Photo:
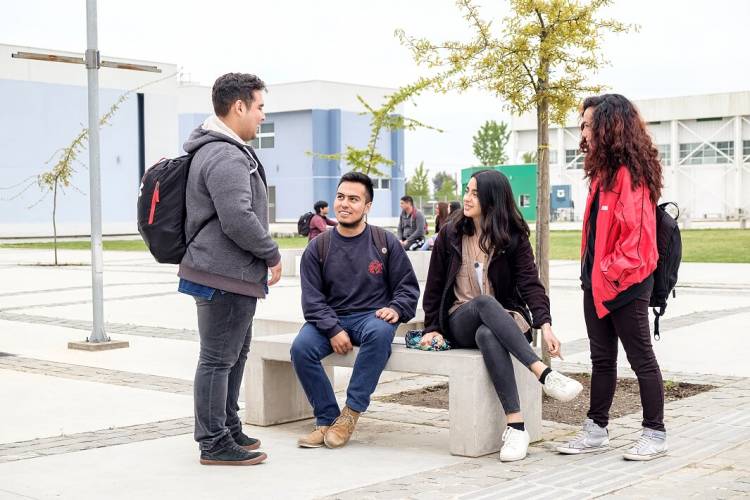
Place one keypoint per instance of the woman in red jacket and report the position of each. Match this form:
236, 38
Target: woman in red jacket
618, 257
480, 286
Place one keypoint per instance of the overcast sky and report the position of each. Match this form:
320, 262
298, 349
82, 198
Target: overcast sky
683, 47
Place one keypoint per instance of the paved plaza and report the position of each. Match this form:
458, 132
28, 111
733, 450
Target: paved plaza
118, 424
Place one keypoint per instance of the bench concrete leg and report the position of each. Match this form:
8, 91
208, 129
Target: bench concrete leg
273, 394
477, 419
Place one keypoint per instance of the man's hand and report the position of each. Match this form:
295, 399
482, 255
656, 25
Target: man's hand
341, 343
403, 243
275, 274
387, 314
553, 345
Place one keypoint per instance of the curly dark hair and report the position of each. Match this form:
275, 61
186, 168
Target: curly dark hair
232, 87
619, 137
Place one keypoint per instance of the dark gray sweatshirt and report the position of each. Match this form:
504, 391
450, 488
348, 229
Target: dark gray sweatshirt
227, 185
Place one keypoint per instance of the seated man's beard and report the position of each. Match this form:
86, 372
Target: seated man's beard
351, 225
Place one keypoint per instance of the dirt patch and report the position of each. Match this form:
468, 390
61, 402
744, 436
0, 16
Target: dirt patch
627, 398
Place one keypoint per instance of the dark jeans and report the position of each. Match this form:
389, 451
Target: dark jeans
225, 326
630, 324
484, 323
373, 336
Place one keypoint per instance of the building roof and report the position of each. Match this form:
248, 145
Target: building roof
293, 96
667, 108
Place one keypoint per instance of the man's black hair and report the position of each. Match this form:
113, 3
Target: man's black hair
231, 87
360, 178
320, 205
408, 199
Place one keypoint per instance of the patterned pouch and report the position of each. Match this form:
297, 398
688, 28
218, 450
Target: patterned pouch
413, 338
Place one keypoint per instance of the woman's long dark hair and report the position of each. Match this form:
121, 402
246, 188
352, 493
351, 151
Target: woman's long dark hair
442, 215
620, 138
500, 214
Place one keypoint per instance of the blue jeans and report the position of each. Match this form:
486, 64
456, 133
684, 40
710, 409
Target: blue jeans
373, 336
225, 327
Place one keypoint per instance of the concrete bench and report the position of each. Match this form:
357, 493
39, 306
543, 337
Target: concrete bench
263, 327
273, 394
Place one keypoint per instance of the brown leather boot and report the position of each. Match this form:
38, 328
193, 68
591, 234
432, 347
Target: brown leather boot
342, 429
314, 439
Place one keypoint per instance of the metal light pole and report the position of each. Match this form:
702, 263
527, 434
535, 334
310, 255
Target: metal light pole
98, 340
95, 188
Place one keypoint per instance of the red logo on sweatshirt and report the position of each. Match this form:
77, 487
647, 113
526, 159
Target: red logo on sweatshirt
375, 267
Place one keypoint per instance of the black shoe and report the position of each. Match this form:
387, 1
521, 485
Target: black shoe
246, 441
231, 454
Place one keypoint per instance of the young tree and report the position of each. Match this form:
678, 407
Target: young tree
367, 159
538, 58
444, 186
529, 157
418, 186
490, 142
60, 175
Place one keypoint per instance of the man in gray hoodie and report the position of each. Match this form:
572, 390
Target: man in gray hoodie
411, 225
226, 266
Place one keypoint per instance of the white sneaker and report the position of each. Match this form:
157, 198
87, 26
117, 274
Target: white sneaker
515, 445
651, 445
591, 438
560, 387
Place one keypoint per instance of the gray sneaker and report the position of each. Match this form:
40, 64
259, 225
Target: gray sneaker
651, 445
591, 438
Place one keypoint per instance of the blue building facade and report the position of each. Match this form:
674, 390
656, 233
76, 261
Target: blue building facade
39, 119
44, 107
297, 178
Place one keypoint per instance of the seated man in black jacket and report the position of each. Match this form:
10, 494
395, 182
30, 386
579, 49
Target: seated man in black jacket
357, 285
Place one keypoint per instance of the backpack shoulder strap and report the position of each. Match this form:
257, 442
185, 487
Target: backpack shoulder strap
322, 244
379, 238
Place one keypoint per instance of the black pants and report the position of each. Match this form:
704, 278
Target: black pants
224, 325
484, 323
629, 324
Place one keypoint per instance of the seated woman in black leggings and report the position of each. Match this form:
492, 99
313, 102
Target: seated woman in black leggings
481, 283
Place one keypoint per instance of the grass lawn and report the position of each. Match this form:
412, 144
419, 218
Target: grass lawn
698, 245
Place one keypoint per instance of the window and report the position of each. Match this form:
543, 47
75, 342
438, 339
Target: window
665, 153
524, 200
266, 137
705, 154
381, 184
573, 158
746, 150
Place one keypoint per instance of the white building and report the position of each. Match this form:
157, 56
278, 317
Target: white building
704, 141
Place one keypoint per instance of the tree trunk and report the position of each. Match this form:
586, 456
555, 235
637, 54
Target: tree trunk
54, 220
542, 193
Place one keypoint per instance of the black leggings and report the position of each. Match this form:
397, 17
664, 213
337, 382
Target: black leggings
484, 323
630, 324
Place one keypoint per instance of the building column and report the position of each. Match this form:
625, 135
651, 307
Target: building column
674, 154
738, 161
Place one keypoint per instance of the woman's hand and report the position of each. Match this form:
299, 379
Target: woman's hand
553, 345
427, 338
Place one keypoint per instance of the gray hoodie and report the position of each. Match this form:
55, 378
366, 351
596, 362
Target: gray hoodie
411, 226
227, 186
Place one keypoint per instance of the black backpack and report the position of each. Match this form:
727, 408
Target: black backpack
162, 212
669, 244
303, 224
